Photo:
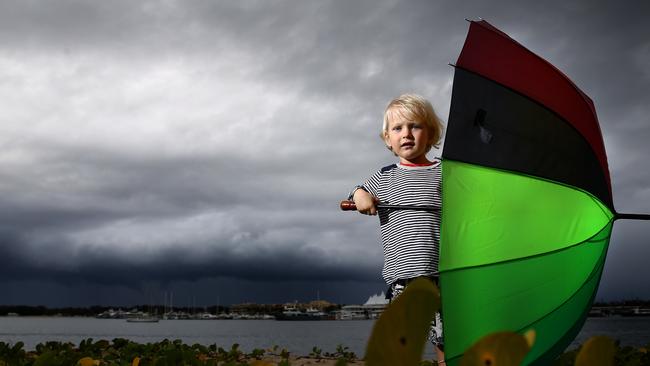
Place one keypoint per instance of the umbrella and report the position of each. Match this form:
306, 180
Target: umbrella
527, 207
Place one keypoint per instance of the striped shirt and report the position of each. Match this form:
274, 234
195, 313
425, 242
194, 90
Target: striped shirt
410, 238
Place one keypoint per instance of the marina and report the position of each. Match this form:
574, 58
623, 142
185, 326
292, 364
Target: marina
371, 309
627, 311
317, 310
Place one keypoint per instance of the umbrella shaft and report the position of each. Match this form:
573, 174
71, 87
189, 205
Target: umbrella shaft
408, 207
625, 216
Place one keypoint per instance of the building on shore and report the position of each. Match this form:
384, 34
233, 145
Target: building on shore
371, 309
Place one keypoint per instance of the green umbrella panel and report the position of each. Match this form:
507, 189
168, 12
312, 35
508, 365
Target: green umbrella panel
518, 253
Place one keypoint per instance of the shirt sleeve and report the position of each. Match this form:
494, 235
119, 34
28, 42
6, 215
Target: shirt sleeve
351, 195
371, 185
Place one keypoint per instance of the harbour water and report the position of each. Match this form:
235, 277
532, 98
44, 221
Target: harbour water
298, 337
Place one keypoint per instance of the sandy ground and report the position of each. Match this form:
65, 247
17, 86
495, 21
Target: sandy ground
304, 361
301, 361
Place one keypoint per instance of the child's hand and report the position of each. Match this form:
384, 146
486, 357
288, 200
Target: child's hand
365, 202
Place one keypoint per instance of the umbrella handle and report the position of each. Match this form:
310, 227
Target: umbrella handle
348, 206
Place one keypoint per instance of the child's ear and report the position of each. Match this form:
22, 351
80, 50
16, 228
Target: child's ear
387, 140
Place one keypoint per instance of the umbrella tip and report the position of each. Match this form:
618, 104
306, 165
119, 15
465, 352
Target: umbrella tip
628, 216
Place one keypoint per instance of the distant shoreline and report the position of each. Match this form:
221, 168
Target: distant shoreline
624, 308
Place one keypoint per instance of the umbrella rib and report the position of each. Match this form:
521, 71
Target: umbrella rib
531, 256
532, 176
589, 278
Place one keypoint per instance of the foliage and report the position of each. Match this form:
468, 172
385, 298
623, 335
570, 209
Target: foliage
596, 351
122, 352
316, 353
343, 355
622, 356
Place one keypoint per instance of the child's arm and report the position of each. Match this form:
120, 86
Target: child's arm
365, 202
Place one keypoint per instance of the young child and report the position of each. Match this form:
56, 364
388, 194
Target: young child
410, 238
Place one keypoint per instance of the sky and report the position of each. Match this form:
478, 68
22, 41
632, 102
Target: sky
201, 148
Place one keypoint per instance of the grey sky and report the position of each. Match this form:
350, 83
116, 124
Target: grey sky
202, 147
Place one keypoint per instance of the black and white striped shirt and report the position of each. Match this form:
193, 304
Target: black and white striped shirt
410, 238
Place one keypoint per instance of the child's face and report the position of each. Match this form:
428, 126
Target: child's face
406, 138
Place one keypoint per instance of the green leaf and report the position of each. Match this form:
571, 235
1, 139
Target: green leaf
596, 351
87, 361
46, 359
498, 349
399, 335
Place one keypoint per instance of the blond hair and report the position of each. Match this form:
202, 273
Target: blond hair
414, 107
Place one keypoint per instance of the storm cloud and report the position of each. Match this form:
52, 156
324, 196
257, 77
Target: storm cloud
202, 147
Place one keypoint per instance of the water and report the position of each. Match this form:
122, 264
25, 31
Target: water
629, 331
297, 337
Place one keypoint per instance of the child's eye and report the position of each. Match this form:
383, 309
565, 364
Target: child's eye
397, 128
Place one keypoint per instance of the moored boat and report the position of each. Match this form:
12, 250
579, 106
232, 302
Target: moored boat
143, 320
292, 313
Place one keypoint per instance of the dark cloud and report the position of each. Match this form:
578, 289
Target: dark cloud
20, 261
